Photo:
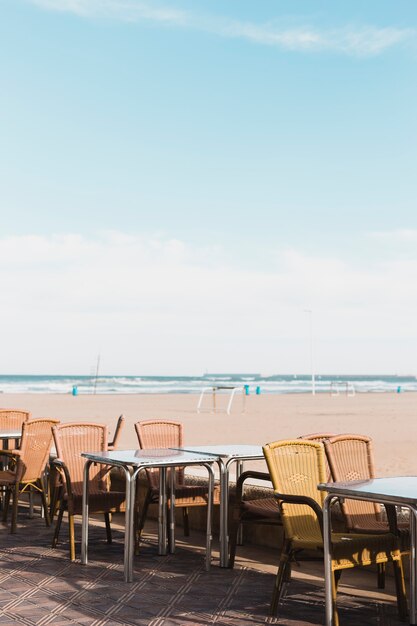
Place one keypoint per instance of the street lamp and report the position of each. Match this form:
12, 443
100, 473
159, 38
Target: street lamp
313, 379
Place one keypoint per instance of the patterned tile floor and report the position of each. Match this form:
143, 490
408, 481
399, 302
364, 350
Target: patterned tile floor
39, 586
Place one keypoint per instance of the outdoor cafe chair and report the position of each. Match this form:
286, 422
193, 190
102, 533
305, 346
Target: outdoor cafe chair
28, 469
351, 457
263, 510
12, 420
296, 468
70, 441
168, 434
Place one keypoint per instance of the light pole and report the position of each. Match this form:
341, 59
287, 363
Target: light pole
313, 378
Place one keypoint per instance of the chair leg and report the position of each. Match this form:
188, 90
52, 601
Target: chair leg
400, 589
108, 527
45, 506
185, 521
58, 526
381, 575
335, 579
15, 508
6, 504
142, 518
234, 530
279, 580
71, 528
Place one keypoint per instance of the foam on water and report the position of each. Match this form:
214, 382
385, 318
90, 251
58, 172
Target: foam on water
277, 384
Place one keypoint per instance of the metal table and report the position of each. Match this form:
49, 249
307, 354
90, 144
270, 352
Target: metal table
132, 462
397, 491
6, 435
225, 455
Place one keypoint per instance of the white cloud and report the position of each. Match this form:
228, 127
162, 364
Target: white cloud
162, 306
353, 40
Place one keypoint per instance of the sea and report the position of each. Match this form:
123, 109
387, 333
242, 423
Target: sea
255, 383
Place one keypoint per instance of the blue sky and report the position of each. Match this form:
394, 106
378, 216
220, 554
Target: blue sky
180, 180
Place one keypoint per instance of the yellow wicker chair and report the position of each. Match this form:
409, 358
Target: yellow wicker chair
296, 468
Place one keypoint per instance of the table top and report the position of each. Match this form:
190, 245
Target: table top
398, 489
157, 457
228, 451
10, 434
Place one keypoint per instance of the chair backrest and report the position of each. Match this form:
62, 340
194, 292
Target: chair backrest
351, 457
296, 467
34, 448
321, 438
160, 434
76, 437
118, 431
13, 419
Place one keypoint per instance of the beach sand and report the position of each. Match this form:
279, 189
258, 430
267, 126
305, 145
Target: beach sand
390, 419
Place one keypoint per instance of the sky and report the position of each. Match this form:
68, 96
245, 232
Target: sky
191, 186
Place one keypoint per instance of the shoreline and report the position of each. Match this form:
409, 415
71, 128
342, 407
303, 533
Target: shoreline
389, 418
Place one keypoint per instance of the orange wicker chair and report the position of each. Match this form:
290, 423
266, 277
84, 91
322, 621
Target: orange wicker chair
12, 419
296, 468
168, 434
321, 438
28, 473
70, 440
351, 457
117, 433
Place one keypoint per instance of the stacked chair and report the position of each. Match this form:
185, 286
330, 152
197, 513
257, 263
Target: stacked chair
296, 468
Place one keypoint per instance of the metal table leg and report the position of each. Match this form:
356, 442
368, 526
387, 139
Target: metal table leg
328, 574
162, 506
209, 535
413, 565
84, 525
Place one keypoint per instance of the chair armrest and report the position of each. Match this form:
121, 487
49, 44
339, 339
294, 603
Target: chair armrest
59, 464
13, 453
284, 498
249, 474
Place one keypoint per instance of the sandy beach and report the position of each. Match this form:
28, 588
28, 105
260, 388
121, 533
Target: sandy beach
390, 419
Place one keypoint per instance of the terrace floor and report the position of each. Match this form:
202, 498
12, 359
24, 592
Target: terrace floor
40, 586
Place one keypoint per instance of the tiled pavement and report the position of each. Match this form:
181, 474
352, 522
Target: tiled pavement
39, 586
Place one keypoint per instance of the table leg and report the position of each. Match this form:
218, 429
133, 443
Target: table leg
413, 564
84, 525
224, 495
328, 574
239, 470
209, 535
162, 519
129, 552
171, 539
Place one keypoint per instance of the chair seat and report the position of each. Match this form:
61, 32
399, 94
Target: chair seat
100, 502
261, 508
190, 495
7, 477
355, 549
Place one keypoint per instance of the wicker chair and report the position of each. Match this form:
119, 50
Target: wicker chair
321, 438
168, 434
117, 432
70, 440
12, 419
351, 457
28, 473
56, 483
296, 467
263, 511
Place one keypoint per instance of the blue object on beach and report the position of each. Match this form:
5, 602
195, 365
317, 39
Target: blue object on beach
258, 391
75, 391
246, 390
398, 389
